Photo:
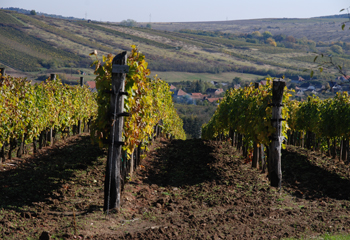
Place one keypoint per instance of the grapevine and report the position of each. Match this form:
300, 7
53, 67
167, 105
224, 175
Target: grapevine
246, 111
26, 109
149, 102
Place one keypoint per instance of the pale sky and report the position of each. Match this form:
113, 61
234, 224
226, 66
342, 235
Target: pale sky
181, 10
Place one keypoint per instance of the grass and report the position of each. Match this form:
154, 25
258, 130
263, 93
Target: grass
6, 18
324, 237
195, 56
221, 77
125, 35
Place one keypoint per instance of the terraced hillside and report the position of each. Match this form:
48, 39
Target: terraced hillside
38, 44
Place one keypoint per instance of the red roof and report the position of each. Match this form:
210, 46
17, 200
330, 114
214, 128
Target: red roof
92, 84
213, 99
181, 93
172, 87
197, 95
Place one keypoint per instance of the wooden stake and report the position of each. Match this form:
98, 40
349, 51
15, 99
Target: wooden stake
113, 175
275, 171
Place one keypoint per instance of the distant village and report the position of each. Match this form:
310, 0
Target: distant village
213, 95
340, 84
302, 87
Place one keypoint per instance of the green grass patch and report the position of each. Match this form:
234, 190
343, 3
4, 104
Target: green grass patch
8, 19
125, 35
220, 77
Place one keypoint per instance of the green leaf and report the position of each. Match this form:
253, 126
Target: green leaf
343, 26
342, 10
311, 74
315, 58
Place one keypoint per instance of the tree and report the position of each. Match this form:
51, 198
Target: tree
128, 23
290, 39
271, 41
200, 86
267, 35
32, 12
237, 80
148, 25
256, 34
337, 49
279, 37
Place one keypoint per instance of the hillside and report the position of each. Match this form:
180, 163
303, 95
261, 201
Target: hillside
317, 29
38, 45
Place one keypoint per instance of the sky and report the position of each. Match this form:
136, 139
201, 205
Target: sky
181, 10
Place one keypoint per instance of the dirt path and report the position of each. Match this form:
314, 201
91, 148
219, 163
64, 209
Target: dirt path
189, 189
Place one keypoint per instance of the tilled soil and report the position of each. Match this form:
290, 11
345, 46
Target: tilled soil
191, 189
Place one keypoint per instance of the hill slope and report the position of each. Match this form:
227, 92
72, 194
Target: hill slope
39, 44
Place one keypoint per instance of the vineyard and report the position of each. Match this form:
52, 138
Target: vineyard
29, 112
245, 116
172, 188
314, 123
149, 103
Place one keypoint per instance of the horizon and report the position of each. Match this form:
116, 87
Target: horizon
203, 12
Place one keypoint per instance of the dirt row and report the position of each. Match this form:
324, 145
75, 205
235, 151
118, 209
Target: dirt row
191, 189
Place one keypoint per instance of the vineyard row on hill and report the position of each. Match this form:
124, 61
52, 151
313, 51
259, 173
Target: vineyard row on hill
246, 111
321, 124
28, 110
149, 102
317, 124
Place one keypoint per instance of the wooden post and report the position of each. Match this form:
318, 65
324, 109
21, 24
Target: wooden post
79, 122
275, 171
13, 145
34, 146
255, 145
334, 148
262, 158
139, 154
2, 71
132, 159
113, 174
345, 149
255, 155
2, 153
52, 77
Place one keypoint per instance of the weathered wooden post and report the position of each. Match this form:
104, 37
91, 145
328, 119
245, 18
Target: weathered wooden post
274, 165
132, 163
345, 148
2, 71
113, 175
262, 158
52, 77
255, 146
2, 153
79, 122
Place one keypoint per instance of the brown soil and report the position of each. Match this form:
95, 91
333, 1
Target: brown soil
189, 189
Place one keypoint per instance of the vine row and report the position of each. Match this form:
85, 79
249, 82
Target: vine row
27, 110
149, 102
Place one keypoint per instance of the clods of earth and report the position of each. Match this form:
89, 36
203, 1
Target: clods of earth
191, 189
